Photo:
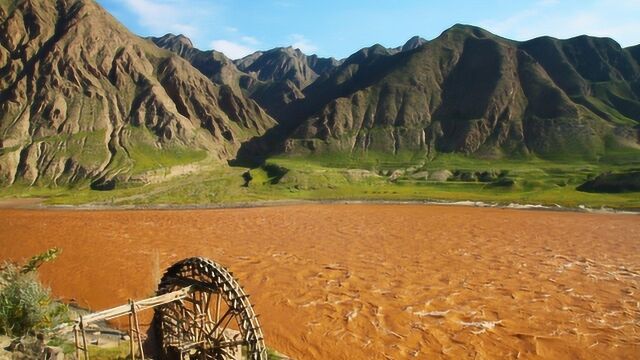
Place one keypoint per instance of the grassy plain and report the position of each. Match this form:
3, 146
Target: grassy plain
342, 178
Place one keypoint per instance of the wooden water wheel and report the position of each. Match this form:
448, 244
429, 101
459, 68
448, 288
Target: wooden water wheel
216, 321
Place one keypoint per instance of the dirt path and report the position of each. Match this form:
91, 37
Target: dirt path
372, 281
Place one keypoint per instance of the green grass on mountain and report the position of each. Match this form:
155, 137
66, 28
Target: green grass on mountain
605, 110
147, 157
370, 160
7, 5
87, 146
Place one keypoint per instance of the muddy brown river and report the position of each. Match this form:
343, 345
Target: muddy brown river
371, 281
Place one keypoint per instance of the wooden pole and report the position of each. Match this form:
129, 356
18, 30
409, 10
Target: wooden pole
217, 314
135, 321
84, 340
131, 346
77, 341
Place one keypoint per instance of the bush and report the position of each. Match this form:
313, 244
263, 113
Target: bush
25, 304
612, 183
503, 182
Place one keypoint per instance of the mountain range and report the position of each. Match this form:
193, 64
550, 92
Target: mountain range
82, 98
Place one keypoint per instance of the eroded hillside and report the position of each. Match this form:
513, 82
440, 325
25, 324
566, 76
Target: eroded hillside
470, 91
83, 98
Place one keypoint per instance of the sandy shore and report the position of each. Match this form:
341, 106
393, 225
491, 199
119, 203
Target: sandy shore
372, 281
40, 204
21, 203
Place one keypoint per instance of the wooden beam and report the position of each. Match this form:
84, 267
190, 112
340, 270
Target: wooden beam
122, 310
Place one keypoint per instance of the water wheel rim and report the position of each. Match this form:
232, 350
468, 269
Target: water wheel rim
192, 319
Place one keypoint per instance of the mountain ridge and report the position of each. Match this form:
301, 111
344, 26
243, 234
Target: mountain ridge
75, 109
471, 63
273, 78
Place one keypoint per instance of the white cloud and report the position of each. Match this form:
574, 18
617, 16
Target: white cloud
184, 29
301, 42
604, 18
191, 18
250, 40
231, 49
161, 17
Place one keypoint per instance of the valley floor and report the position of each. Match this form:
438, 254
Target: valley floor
290, 179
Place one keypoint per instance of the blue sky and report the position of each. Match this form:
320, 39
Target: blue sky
339, 28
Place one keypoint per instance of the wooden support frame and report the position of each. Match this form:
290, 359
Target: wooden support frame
186, 319
132, 309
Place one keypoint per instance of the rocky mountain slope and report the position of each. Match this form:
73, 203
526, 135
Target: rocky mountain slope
83, 98
279, 76
213, 64
473, 92
413, 43
273, 78
286, 64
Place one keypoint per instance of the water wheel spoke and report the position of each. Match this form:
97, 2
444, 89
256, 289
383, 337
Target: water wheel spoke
187, 324
221, 333
205, 321
197, 334
218, 299
217, 330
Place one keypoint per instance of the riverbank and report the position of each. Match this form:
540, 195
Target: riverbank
40, 204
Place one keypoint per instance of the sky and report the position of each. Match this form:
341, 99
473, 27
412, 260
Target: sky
338, 28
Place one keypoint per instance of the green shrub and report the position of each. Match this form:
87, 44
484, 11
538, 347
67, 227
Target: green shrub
612, 183
503, 182
26, 305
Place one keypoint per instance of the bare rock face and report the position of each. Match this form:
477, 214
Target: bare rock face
82, 98
281, 64
470, 91
280, 75
440, 175
213, 64
413, 43
273, 78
